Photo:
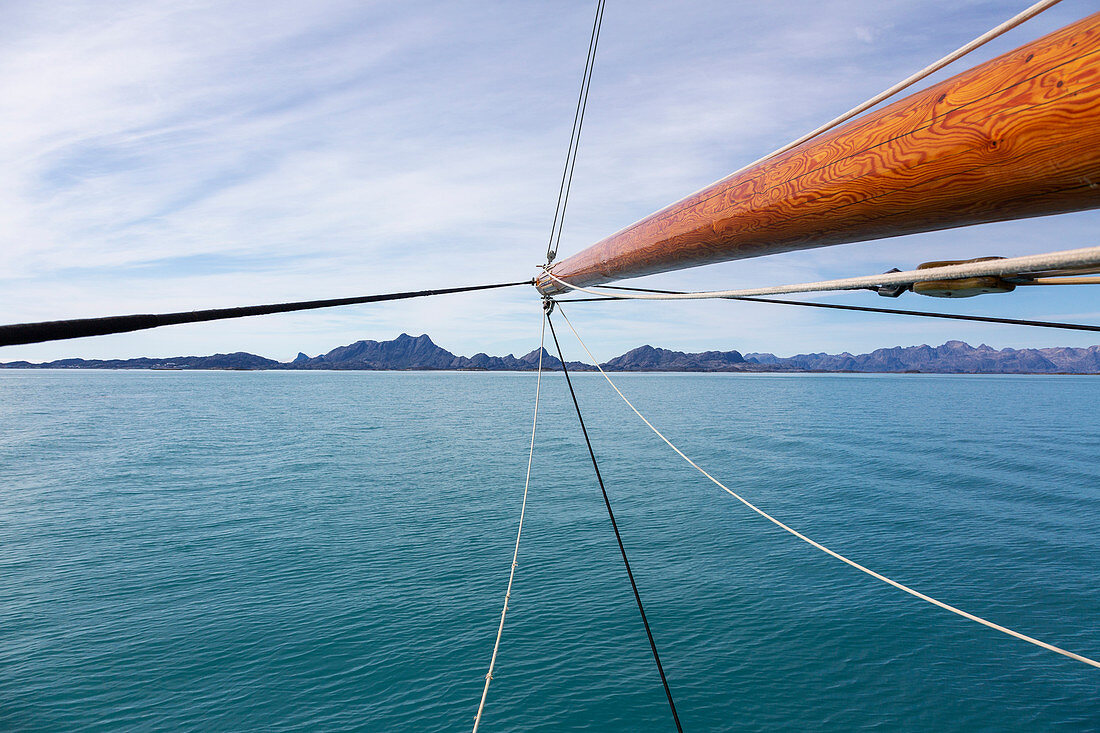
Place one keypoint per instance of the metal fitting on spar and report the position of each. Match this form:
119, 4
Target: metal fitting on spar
968, 287
546, 285
958, 288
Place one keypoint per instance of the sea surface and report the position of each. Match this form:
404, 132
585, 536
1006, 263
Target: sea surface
245, 551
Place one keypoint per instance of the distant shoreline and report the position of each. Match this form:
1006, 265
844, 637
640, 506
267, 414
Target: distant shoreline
420, 353
592, 372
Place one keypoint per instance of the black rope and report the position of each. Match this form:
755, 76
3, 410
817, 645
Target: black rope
575, 136
33, 333
615, 526
865, 309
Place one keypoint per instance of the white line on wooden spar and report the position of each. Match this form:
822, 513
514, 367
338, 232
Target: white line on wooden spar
1066, 259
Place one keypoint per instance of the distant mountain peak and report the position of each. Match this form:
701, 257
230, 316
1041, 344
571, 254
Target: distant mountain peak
420, 352
649, 358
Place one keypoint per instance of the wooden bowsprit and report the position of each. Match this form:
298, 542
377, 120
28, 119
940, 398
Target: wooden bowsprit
1016, 137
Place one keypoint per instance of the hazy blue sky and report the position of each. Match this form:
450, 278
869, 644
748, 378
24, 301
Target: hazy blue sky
180, 155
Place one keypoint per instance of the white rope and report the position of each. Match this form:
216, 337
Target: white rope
1085, 257
519, 532
927, 71
818, 545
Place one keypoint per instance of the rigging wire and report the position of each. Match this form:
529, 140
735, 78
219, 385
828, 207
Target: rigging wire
519, 531
818, 545
1063, 259
863, 309
615, 526
904, 84
551, 251
34, 333
575, 137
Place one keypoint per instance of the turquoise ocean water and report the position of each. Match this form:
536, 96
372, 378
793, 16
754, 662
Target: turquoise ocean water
204, 551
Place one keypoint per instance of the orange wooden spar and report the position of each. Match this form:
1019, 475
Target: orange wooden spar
1015, 137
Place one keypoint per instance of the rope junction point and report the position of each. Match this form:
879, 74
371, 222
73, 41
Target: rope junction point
818, 545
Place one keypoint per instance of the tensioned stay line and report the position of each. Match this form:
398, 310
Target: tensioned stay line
999, 30
1084, 257
615, 526
927, 71
519, 531
575, 136
860, 308
33, 333
818, 545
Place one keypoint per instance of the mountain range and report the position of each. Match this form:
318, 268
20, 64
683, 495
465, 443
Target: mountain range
420, 353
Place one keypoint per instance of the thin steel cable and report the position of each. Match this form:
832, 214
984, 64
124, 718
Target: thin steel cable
34, 333
572, 136
576, 146
575, 136
615, 526
818, 545
924, 73
1063, 259
864, 309
519, 531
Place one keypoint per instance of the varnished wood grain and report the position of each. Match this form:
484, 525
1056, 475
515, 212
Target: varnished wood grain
1015, 137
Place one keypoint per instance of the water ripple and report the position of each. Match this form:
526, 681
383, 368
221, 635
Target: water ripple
304, 551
